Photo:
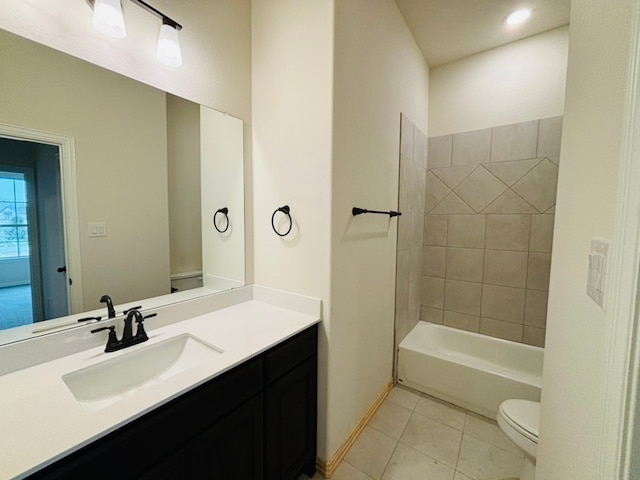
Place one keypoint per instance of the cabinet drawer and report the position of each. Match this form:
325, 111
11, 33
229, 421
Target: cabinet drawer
282, 358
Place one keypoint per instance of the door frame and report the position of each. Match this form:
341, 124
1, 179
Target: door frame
620, 431
66, 147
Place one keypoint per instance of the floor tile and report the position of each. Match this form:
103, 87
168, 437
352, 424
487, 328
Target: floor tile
391, 419
488, 431
346, 471
404, 397
432, 438
483, 461
371, 452
441, 411
409, 464
438, 441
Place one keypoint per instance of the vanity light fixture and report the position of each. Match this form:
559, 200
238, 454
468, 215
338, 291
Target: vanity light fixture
518, 17
108, 18
168, 51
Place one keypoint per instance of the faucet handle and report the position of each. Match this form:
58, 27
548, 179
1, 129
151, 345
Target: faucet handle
140, 332
126, 312
112, 340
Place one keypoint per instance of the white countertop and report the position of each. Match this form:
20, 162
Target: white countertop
41, 421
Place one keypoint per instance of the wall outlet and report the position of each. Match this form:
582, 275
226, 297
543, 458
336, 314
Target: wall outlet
97, 229
597, 270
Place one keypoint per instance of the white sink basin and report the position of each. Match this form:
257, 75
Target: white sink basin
108, 381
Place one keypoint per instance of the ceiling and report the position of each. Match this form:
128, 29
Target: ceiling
447, 30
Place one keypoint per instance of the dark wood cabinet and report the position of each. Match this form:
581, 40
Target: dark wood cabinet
171, 468
257, 421
290, 440
231, 448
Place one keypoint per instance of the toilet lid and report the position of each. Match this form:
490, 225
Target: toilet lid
523, 415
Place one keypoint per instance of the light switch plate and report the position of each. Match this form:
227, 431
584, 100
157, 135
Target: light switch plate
97, 229
597, 270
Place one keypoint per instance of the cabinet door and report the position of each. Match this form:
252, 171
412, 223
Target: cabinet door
290, 442
231, 448
137, 448
171, 468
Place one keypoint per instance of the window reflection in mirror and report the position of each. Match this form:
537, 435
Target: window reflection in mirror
140, 221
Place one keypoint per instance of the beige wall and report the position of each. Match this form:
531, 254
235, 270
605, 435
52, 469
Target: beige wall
521, 81
379, 74
292, 119
183, 149
324, 143
573, 382
117, 165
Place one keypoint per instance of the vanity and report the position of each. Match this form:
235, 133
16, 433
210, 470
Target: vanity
237, 402
225, 386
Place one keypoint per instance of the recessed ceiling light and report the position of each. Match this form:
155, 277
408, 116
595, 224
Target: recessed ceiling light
518, 17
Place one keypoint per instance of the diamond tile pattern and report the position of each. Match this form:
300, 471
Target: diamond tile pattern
511, 172
495, 278
453, 176
452, 205
539, 186
480, 189
510, 202
436, 191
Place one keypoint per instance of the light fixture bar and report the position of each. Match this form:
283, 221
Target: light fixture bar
165, 20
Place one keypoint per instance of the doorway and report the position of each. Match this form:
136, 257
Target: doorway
33, 278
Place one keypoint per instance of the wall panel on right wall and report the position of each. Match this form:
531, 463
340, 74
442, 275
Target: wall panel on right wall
489, 214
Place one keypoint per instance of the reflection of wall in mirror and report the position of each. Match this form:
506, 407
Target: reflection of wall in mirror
204, 146
119, 165
183, 145
222, 187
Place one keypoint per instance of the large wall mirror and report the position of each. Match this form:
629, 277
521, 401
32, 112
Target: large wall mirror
109, 187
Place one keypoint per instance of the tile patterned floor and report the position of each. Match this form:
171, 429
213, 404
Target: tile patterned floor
414, 436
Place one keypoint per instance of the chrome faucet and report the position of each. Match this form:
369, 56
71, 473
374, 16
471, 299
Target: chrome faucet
107, 299
128, 339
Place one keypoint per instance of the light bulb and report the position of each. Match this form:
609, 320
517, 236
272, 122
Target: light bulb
108, 18
169, 51
518, 17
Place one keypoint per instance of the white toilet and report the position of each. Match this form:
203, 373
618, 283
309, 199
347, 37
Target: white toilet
519, 420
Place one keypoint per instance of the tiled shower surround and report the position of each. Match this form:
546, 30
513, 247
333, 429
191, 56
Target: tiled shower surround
412, 187
488, 227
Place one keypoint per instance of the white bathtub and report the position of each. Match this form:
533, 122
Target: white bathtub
467, 369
